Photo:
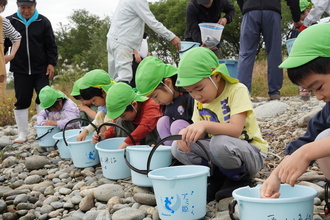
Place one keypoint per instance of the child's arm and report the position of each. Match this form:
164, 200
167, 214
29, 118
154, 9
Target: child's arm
90, 112
41, 117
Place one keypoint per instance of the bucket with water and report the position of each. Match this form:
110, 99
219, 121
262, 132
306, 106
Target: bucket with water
180, 191
187, 45
211, 33
289, 44
112, 159
294, 203
45, 135
62, 148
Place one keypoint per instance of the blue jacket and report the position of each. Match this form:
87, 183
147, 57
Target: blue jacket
316, 125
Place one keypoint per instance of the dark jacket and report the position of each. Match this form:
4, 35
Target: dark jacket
272, 5
38, 48
196, 14
317, 124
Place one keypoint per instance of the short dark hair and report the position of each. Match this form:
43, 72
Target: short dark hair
3, 3
320, 65
90, 92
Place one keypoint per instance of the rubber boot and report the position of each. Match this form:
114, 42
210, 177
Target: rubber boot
236, 178
21, 117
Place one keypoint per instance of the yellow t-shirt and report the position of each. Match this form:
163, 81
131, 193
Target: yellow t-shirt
233, 100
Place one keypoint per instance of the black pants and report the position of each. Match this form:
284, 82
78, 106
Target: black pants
25, 85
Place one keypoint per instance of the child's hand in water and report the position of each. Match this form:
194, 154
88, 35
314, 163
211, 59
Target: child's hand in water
97, 138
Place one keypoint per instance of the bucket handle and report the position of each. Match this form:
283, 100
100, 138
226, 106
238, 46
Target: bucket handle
47, 132
182, 51
72, 121
175, 138
118, 126
231, 209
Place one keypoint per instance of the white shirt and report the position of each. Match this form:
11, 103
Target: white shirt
127, 25
319, 7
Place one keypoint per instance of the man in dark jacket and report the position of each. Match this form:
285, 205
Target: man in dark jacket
33, 65
263, 17
199, 11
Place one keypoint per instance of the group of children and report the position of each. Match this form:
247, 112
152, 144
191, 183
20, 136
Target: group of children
201, 102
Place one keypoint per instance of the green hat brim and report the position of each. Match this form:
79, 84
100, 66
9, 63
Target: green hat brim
113, 114
292, 62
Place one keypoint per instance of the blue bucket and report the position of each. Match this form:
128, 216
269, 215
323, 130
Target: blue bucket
112, 159
180, 191
289, 44
231, 66
138, 158
83, 153
62, 148
187, 45
294, 203
45, 135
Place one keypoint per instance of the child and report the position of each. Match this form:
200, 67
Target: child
308, 66
135, 113
224, 121
93, 87
58, 109
87, 111
177, 104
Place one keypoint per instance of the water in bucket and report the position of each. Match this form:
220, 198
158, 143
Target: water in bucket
83, 153
211, 33
294, 203
45, 135
180, 191
62, 148
138, 157
112, 159
187, 45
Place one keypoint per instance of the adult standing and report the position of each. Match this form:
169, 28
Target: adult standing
33, 65
126, 33
212, 11
263, 17
318, 9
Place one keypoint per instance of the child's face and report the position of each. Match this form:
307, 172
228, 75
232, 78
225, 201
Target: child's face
205, 91
128, 115
57, 107
97, 101
86, 102
319, 84
162, 96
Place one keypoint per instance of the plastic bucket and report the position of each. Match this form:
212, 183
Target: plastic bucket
138, 158
83, 153
211, 33
187, 45
180, 191
294, 203
289, 44
45, 135
62, 148
231, 66
112, 159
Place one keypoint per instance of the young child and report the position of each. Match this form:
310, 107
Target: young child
58, 109
224, 121
87, 110
137, 114
93, 87
308, 66
176, 103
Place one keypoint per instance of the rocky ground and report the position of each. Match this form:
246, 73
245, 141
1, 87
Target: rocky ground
35, 183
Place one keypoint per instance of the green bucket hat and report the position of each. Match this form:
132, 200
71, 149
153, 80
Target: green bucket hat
48, 96
311, 43
304, 4
150, 72
75, 90
96, 78
199, 63
119, 96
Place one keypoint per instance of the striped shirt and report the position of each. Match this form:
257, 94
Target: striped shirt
9, 31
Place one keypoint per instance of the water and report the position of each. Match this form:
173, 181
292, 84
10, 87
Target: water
211, 41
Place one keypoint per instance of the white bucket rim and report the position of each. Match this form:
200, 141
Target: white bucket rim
203, 170
59, 135
312, 193
147, 148
76, 142
97, 146
214, 26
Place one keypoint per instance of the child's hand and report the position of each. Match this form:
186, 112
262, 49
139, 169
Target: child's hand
82, 135
184, 146
193, 132
123, 145
97, 138
271, 187
83, 108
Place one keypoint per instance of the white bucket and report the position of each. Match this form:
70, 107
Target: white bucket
83, 153
45, 135
211, 33
294, 203
138, 158
112, 159
289, 44
62, 148
187, 45
180, 191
